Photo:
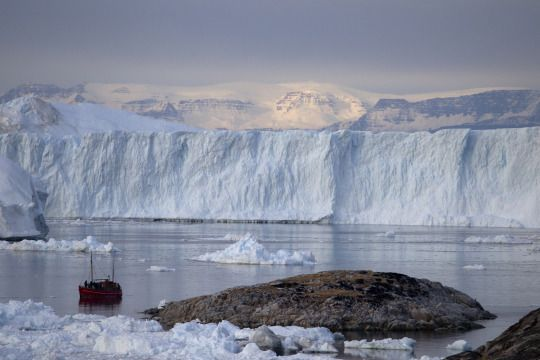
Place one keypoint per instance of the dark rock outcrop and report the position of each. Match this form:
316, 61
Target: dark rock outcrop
519, 342
338, 300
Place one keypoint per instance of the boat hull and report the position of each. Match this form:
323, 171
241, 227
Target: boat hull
94, 294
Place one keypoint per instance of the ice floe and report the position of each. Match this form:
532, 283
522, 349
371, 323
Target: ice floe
160, 269
459, 345
30, 330
406, 344
497, 239
85, 245
247, 250
388, 234
474, 267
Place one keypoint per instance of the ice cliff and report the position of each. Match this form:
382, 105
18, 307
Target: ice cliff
21, 204
451, 177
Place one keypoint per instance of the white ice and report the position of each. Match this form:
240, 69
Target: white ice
388, 234
20, 203
31, 330
474, 267
157, 268
247, 250
451, 177
497, 239
406, 344
459, 345
33, 115
85, 245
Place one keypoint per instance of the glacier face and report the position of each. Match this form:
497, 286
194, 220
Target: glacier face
21, 204
452, 177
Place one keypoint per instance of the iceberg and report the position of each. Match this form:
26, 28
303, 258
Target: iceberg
454, 177
21, 203
32, 330
247, 250
459, 345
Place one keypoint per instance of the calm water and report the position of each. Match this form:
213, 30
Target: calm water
509, 287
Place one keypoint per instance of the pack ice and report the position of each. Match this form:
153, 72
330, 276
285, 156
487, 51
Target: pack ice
21, 203
450, 177
30, 330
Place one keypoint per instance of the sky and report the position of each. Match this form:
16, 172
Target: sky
394, 46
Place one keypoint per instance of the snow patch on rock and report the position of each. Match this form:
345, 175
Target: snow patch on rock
247, 250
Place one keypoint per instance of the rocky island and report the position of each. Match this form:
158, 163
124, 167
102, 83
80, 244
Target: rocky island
520, 341
338, 300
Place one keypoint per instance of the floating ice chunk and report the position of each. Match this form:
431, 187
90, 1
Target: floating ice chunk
405, 343
28, 315
162, 303
84, 336
497, 239
160, 269
388, 234
459, 345
475, 267
247, 250
85, 245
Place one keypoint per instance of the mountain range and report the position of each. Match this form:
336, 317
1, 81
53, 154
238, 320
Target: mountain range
239, 106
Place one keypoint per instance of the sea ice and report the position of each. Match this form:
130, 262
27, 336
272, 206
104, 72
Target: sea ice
160, 269
497, 239
459, 345
247, 250
474, 267
31, 330
85, 245
405, 343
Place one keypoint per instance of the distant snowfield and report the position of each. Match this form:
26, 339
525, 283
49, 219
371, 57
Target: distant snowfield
33, 115
247, 250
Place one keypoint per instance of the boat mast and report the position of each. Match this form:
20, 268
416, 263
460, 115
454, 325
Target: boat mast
91, 267
113, 267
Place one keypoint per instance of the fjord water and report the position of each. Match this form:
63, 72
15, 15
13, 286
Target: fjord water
509, 285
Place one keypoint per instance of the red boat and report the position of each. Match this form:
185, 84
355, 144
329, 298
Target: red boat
99, 289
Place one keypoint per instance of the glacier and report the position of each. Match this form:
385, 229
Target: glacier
21, 204
455, 177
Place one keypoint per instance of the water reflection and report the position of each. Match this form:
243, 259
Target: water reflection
508, 286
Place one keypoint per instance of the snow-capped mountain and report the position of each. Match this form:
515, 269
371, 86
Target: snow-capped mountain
302, 105
33, 115
230, 106
491, 109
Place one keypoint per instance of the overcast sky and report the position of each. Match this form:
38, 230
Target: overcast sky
379, 45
